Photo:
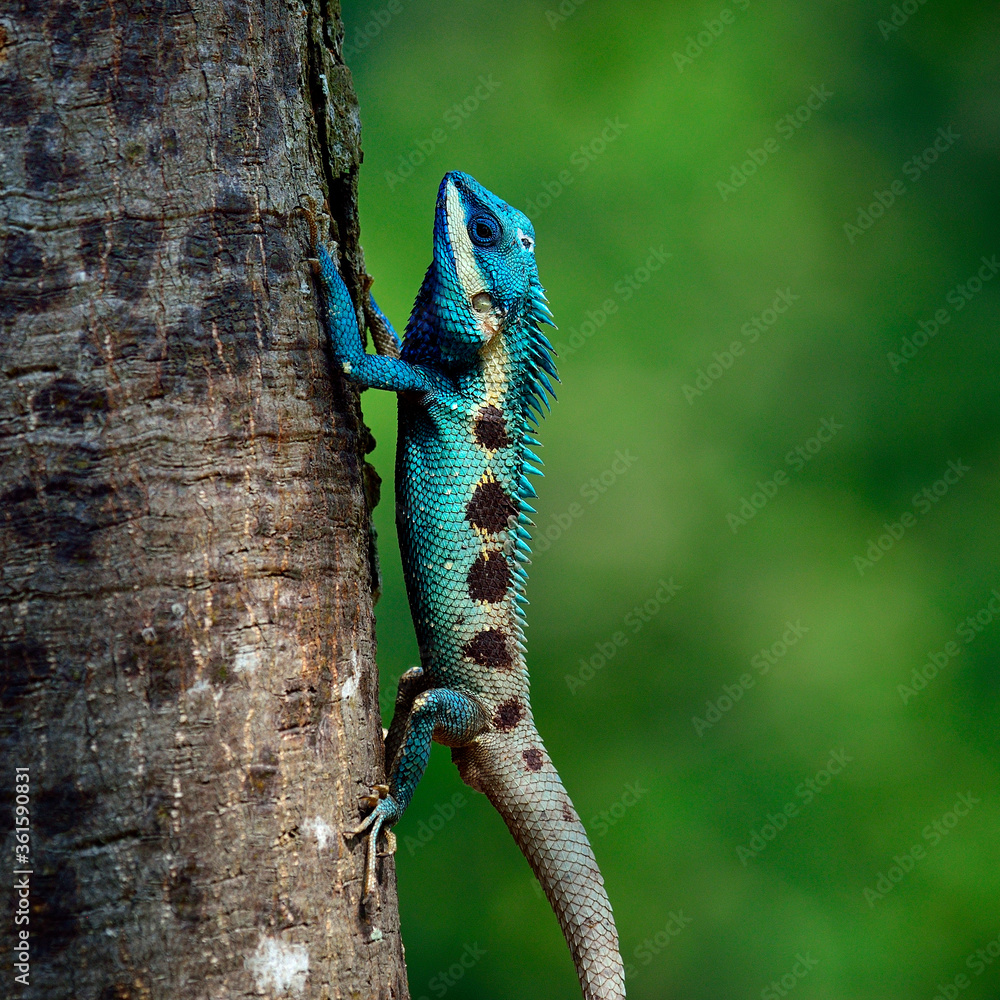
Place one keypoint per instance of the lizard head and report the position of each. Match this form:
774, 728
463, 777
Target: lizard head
484, 253
483, 281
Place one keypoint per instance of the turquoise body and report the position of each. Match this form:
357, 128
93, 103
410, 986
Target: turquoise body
472, 378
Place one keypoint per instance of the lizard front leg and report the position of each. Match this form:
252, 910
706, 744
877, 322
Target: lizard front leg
366, 370
440, 714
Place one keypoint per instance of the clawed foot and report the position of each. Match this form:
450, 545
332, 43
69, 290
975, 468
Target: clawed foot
319, 222
315, 216
370, 801
384, 813
330, 246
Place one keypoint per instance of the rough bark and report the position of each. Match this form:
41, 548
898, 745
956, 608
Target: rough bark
186, 591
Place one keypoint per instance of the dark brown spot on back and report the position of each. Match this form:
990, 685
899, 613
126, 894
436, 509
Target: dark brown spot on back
489, 578
568, 813
490, 508
533, 758
508, 714
491, 429
489, 649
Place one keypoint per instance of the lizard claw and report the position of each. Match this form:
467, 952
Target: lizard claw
385, 812
390, 845
318, 221
314, 216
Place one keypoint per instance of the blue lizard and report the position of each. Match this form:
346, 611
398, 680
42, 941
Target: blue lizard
472, 378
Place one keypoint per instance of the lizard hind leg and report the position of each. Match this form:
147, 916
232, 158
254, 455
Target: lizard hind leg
440, 714
412, 683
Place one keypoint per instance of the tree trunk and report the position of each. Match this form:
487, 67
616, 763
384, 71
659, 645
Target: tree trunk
186, 591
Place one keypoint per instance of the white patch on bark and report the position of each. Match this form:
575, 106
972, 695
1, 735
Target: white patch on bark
320, 829
246, 660
279, 966
349, 688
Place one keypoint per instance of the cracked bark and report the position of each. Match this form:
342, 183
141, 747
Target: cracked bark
186, 629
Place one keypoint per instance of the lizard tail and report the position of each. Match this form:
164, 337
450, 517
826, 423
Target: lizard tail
518, 777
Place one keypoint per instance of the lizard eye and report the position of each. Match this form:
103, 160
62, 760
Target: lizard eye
484, 230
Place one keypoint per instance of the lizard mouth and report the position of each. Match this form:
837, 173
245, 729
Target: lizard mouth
488, 316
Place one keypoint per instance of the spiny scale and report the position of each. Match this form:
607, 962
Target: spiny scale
473, 376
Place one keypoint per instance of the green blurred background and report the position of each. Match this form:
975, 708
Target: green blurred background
642, 476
